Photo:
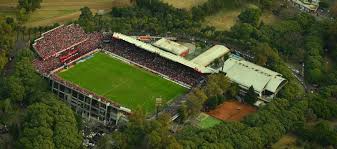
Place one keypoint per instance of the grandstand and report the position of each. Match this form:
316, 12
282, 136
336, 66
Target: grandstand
69, 59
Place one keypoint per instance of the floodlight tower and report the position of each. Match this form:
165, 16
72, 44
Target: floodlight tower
158, 105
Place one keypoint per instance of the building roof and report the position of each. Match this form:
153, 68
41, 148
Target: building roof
307, 4
167, 55
247, 74
171, 46
210, 55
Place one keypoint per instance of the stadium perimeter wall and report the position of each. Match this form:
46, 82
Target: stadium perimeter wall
89, 106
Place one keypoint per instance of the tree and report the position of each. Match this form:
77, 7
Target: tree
3, 59
5, 105
212, 102
30, 5
266, 4
333, 9
251, 96
6, 40
234, 90
250, 16
15, 89
86, 19
183, 113
142, 133
49, 125
116, 140
22, 15
195, 101
242, 31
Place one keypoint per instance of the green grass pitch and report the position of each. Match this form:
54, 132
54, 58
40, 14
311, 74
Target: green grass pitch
122, 83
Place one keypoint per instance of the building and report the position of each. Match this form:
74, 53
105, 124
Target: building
306, 5
211, 55
266, 83
172, 47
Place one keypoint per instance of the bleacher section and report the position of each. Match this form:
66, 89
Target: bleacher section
153, 61
162, 53
45, 66
58, 40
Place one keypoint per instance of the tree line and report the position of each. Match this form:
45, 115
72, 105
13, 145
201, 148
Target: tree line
34, 116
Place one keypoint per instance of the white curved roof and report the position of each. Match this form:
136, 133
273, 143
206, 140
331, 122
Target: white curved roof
210, 55
248, 74
171, 46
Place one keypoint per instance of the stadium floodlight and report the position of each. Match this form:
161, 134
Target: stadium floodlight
158, 104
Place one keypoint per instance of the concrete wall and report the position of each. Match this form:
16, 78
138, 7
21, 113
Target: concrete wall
87, 106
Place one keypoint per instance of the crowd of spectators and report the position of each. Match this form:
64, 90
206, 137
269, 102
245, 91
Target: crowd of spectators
59, 39
45, 66
154, 62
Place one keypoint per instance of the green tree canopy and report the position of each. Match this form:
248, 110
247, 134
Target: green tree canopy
250, 16
30, 5
49, 125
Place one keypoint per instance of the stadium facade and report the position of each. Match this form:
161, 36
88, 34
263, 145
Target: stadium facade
65, 46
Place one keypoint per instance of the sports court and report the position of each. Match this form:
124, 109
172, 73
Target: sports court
206, 121
127, 85
232, 111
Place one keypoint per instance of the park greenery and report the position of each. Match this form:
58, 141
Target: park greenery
37, 119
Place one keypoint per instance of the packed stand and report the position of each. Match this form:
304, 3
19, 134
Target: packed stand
45, 66
59, 39
154, 62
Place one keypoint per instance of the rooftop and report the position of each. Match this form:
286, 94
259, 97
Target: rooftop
171, 46
210, 55
248, 74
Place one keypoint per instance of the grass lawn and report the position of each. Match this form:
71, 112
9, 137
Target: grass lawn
207, 121
227, 17
287, 141
60, 11
125, 84
184, 4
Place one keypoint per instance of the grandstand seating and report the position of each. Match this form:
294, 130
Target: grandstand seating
154, 62
59, 40
45, 66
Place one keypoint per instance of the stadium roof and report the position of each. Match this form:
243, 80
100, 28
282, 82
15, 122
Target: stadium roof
210, 55
171, 46
170, 56
247, 74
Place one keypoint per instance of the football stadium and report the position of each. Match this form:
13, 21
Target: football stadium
121, 82
104, 76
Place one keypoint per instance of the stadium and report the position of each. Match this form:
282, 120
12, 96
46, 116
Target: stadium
105, 76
